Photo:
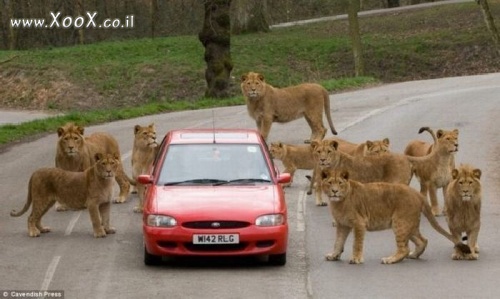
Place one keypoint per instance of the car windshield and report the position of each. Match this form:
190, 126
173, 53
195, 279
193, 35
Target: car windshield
214, 164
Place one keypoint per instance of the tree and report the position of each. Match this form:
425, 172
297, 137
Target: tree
216, 38
393, 3
490, 23
357, 48
249, 16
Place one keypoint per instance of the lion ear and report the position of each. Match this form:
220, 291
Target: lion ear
439, 133
477, 173
314, 144
98, 156
344, 174
369, 144
80, 129
454, 174
261, 77
334, 144
386, 141
136, 129
244, 77
60, 131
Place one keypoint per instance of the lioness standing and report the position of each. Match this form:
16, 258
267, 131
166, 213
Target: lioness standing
91, 189
267, 104
463, 208
143, 154
76, 152
362, 207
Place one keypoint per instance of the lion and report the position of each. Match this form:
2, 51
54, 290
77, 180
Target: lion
144, 152
267, 104
378, 206
91, 189
296, 157
75, 153
463, 208
433, 170
385, 167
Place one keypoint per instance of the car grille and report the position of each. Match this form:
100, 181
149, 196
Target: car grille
215, 224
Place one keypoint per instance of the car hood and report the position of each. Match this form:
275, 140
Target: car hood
217, 202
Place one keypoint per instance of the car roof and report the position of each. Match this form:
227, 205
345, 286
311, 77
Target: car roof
217, 135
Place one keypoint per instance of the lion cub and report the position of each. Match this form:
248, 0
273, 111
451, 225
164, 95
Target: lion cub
362, 207
91, 189
463, 208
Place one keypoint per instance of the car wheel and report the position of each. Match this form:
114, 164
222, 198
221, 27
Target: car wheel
277, 259
151, 259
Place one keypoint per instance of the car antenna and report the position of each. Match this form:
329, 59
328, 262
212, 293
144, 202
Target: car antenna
213, 125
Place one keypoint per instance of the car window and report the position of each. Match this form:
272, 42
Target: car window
213, 163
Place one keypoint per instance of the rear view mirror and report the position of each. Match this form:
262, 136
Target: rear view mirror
145, 179
284, 178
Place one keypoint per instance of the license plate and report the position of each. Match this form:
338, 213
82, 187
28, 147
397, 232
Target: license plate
216, 239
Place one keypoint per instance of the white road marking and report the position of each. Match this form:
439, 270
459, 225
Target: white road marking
72, 223
50, 273
301, 208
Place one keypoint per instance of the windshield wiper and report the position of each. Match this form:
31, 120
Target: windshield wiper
196, 181
248, 180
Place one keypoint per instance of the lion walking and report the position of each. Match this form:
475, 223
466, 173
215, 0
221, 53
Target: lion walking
267, 104
91, 189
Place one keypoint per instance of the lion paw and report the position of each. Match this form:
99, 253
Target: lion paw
137, 210
34, 233
45, 229
110, 230
100, 233
356, 261
321, 204
332, 257
61, 208
119, 200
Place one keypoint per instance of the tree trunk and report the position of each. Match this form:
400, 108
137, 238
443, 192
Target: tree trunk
357, 48
249, 16
393, 3
216, 38
490, 23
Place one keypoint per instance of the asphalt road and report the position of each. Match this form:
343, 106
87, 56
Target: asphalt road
70, 259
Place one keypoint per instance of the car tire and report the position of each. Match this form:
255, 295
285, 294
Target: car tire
151, 259
277, 259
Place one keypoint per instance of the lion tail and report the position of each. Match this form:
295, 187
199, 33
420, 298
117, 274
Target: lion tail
27, 205
426, 210
422, 129
326, 103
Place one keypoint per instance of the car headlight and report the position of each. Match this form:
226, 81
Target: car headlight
161, 221
270, 220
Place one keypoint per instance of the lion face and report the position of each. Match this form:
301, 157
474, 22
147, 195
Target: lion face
467, 180
252, 84
145, 136
324, 152
448, 140
277, 150
335, 184
70, 139
106, 165
377, 147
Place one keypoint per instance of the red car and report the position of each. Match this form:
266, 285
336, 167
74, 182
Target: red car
214, 192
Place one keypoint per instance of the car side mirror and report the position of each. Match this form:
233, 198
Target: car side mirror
145, 179
284, 178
